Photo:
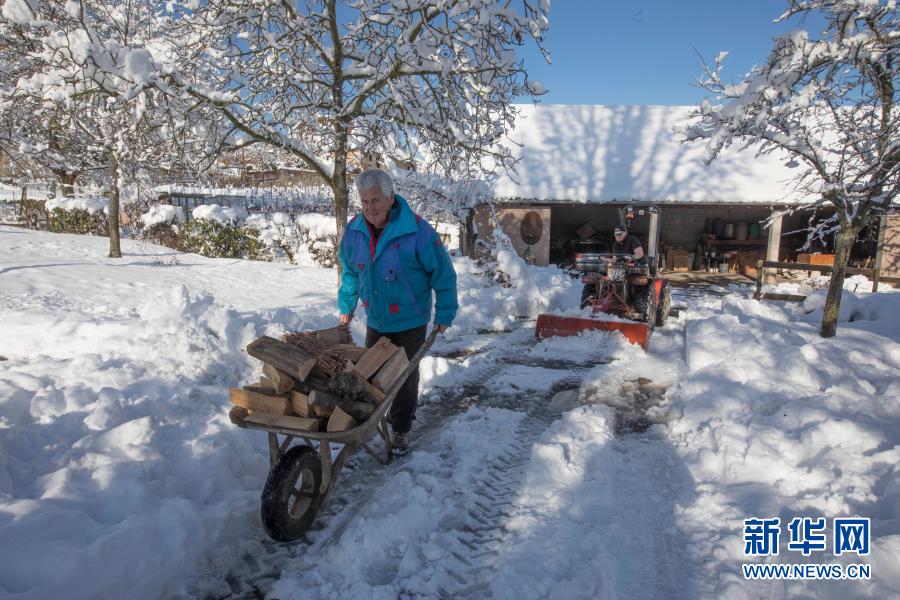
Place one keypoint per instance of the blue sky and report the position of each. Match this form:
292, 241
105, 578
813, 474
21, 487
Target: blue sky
645, 51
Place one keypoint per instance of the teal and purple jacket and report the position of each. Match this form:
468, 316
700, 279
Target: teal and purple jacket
394, 278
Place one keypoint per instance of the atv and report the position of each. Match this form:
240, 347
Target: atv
619, 285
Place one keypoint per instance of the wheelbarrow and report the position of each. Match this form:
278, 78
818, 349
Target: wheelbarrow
302, 476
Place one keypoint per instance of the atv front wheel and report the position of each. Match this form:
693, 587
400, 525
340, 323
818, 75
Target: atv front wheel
645, 306
665, 304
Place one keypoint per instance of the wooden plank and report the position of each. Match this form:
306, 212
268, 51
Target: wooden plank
391, 370
282, 382
340, 421
285, 357
784, 297
254, 401
300, 403
270, 420
376, 356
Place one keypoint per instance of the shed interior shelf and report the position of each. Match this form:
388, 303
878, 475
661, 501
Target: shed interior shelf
735, 242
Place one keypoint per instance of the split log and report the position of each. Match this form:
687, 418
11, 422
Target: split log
237, 414
319, 398
270, 420
340, 421
377, 395
351, 351
360, 411
376, 356
282, 382
313, 383
268, 390
322, 411
254, 401
285, 357
300, 403
391, 371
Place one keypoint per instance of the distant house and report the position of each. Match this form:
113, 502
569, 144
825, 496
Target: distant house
579, 165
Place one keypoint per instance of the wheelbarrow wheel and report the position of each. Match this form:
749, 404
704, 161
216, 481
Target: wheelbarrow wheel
291, 498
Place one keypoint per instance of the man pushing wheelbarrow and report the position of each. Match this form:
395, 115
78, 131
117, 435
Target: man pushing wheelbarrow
392, 260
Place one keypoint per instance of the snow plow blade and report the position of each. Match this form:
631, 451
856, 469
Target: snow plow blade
553, 325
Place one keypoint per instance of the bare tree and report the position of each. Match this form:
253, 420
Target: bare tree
831, 103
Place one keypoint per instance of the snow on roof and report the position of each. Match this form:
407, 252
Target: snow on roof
594, 153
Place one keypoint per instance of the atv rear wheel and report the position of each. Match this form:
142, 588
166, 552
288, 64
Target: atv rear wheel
645, 306
665, 304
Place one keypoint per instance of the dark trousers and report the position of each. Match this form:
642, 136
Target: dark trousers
403, 411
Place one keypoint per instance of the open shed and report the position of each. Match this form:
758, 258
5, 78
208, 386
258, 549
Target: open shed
578, 165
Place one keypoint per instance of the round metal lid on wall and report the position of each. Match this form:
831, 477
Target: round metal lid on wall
532, 228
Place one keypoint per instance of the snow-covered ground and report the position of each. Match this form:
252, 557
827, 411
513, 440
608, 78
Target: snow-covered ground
569, 468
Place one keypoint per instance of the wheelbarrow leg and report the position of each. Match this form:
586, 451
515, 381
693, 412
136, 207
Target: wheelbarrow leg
276, 450
331, 468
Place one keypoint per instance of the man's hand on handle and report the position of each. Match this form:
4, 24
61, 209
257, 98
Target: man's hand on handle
345, 319
441, 328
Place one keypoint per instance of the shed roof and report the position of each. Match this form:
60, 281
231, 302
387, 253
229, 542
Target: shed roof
596, 153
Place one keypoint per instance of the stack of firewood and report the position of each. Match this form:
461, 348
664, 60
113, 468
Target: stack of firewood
317, 381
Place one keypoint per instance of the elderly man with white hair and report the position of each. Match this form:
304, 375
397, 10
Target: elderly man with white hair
392, 261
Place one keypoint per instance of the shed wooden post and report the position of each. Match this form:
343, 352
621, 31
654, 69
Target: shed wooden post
879, 250
774, 246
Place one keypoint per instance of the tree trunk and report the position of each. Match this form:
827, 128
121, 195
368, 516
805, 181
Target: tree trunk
468, 234
115, 249
833, 302
340, 188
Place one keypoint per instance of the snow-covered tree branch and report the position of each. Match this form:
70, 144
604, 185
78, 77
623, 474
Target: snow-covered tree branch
831, 103
331, 80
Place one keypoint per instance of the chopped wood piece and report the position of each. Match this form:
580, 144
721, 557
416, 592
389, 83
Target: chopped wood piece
285, 357
254, 401
376, 356
300, 403
391, 371
335, 335
340, 421
360, 411
282, 382
260, 389
322, 411
319, 398
237, 414
351, 351
270, 420
377, 395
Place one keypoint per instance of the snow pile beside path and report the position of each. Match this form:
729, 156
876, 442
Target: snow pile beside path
412, 529
484, 305
775, 421
119, 469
